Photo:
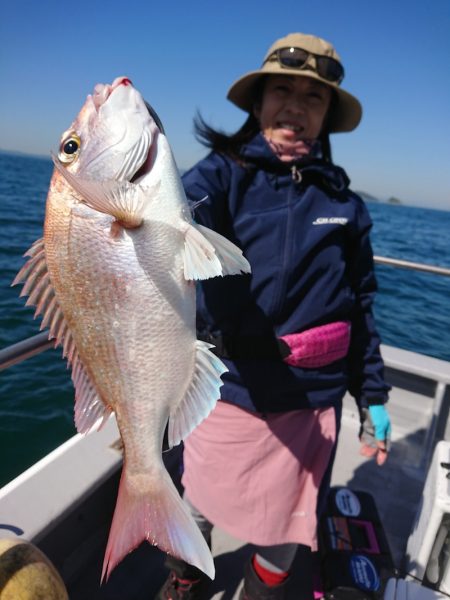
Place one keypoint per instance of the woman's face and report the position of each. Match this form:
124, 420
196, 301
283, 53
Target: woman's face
292, 108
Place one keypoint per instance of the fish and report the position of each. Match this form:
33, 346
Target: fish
113, 278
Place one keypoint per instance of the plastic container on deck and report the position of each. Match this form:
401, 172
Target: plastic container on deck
428, 546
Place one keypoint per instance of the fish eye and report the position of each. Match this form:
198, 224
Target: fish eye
69, 148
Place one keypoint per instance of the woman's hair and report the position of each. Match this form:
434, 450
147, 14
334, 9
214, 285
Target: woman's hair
230, 144
223, 143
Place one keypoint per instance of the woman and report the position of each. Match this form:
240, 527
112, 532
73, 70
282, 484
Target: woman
298, 332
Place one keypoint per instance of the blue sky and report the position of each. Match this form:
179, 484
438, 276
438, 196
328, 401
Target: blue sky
183, 56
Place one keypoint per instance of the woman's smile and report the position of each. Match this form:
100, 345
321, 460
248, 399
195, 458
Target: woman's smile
293, 108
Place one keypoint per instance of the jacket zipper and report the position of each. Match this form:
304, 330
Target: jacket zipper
296, 174
287, 242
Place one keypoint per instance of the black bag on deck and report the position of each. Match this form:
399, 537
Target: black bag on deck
356, 561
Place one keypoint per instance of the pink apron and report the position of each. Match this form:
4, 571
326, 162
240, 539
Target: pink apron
258, 478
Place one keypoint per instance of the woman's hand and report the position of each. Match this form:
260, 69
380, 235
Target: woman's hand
375, 433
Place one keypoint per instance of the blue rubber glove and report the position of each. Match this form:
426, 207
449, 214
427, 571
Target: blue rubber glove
375, 433
381, 422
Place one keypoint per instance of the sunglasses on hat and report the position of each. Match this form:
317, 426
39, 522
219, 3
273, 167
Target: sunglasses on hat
297, 58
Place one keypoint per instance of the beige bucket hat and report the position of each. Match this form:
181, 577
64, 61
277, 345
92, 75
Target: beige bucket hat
347, 112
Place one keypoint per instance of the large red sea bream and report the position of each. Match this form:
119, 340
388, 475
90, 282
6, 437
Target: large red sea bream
113, 279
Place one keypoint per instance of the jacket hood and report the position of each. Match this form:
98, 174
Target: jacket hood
257, 154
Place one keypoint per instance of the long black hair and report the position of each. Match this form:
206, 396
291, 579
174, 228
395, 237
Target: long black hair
230, 144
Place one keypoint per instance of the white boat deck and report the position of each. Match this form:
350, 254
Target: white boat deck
396, 487
76, 543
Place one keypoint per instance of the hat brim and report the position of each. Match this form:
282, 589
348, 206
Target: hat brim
346, 114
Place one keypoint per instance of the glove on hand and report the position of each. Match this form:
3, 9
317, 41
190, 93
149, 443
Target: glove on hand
375, 432
381, 422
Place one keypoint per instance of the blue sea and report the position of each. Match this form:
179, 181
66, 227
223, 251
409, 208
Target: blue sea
36, 397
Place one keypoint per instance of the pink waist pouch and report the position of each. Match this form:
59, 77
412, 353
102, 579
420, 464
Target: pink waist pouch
318, 346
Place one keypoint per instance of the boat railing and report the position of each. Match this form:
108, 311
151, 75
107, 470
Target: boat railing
415, 266
415, 364
16, 353
36, 344
431, 369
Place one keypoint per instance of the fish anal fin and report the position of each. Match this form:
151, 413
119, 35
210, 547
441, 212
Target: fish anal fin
208, 254
201, 395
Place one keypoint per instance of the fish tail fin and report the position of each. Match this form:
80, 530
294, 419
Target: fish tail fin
146, 510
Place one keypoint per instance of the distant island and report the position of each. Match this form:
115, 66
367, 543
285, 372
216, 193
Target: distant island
369, 198
364, 195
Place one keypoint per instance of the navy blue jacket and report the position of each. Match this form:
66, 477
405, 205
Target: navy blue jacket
308, 245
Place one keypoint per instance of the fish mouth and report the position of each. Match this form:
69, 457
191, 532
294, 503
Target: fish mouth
102, 91
139, 160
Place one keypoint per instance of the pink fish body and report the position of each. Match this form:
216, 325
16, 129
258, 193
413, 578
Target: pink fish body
113, 279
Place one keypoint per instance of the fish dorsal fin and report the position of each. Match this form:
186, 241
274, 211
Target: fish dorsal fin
121, 199
90, 412
37, 286
209, 254
201, 395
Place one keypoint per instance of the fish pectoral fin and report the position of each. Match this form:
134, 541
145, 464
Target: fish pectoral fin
208, 254
201, 395
90, 412
120, 199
